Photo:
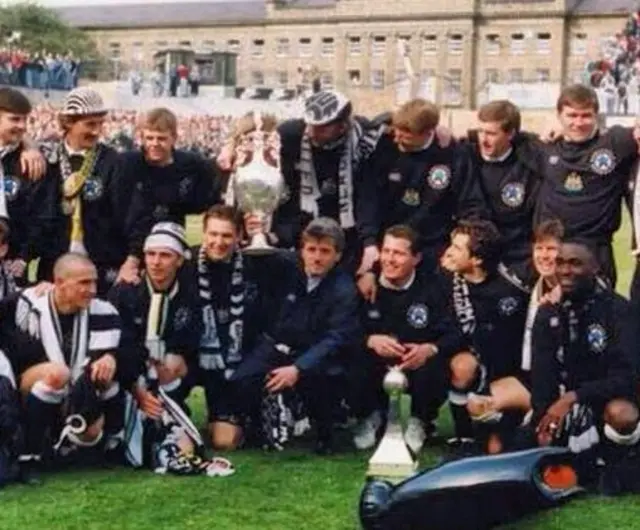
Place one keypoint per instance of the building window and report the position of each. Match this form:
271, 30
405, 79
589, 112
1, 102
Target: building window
543, 75
430, 45
543, 43
355, 77
328, 47
577, 76
455, 43
137, 51
378, 45
517, 43
257, 48
515, 75
427, 84
493, 44
114, 50
355, 46
282, 47
257, 78
304, 47
184, 44
159, 44
377, 79
453, 87
233, 45
491, 75
282, 79
326, 80
208, 46
578, 44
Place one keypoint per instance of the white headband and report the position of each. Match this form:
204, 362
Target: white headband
164, 240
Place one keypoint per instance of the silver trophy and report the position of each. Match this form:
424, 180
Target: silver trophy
257, 186
393, 460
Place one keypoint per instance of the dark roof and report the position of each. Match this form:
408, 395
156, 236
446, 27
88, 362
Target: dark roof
164, 14
584, 7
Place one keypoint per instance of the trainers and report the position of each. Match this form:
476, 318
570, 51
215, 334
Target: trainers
366, 431
415, 434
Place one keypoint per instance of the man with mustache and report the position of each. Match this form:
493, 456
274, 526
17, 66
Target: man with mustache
91, 207
583, 371
410, 326
173, 182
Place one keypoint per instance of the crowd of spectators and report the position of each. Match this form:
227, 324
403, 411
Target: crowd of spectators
40, 70
200, 133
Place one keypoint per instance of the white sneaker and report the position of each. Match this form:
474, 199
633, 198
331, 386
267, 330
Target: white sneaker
415, 435
364, 433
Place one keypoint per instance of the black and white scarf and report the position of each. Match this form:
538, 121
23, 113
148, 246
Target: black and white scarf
462, 306
532, 311
359, 144
36, 315
216, 352
7, 282
4, 151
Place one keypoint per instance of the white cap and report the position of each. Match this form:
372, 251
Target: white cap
168, 235
83, 101
324, 107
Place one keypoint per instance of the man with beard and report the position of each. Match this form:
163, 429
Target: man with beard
174, 183
409, 326
91, 207
316, 324
63, 346
419, 182
323, 158
582, 370
234, 291
502, 164
586, 175
490, 308
20, 202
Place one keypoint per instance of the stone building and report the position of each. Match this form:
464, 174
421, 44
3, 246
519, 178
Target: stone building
456, 46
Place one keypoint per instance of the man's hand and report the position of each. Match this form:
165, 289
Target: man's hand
368, 287
32, 163
225, 157
129, 271
103, 370
554, 417
282, 378
369, 257
444, 135
553, 297
17, 267
416, 355
148, 403
254, 224
385, 346
43, 288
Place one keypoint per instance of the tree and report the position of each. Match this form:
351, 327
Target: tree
42, 29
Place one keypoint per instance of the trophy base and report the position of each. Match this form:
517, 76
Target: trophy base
259, 246
392, 460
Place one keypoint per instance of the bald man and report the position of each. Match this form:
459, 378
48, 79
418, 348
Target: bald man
62, 346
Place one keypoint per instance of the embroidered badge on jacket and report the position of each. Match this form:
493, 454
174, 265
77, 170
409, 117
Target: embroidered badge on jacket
418, 316
11, 187
507, 305
411, 197
439, 177
513, 194
573, 183
181, 318
602, 161
596, 338
93, 188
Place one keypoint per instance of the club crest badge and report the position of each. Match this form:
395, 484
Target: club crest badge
573, 183
513, 194
596, 338
554, 159
11, 187
181, 318
93, 188
110, 275
602, 161
507, 306
286, 194
374, 314
329, 187
395, 176
418, 316
411, 197
439, 177
185, 186
160, 212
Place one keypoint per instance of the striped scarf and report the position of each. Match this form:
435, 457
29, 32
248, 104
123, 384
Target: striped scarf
358, 144
4, 151
462, 306
222, 352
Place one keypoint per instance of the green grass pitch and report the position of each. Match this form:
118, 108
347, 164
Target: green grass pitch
291, 490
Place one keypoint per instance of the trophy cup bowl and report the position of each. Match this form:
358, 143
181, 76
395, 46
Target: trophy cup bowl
395, 382
258, 188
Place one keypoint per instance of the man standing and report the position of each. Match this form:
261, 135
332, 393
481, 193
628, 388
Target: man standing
173, 183
582, 368
409, 326
92, 208
63, 347
586, 174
